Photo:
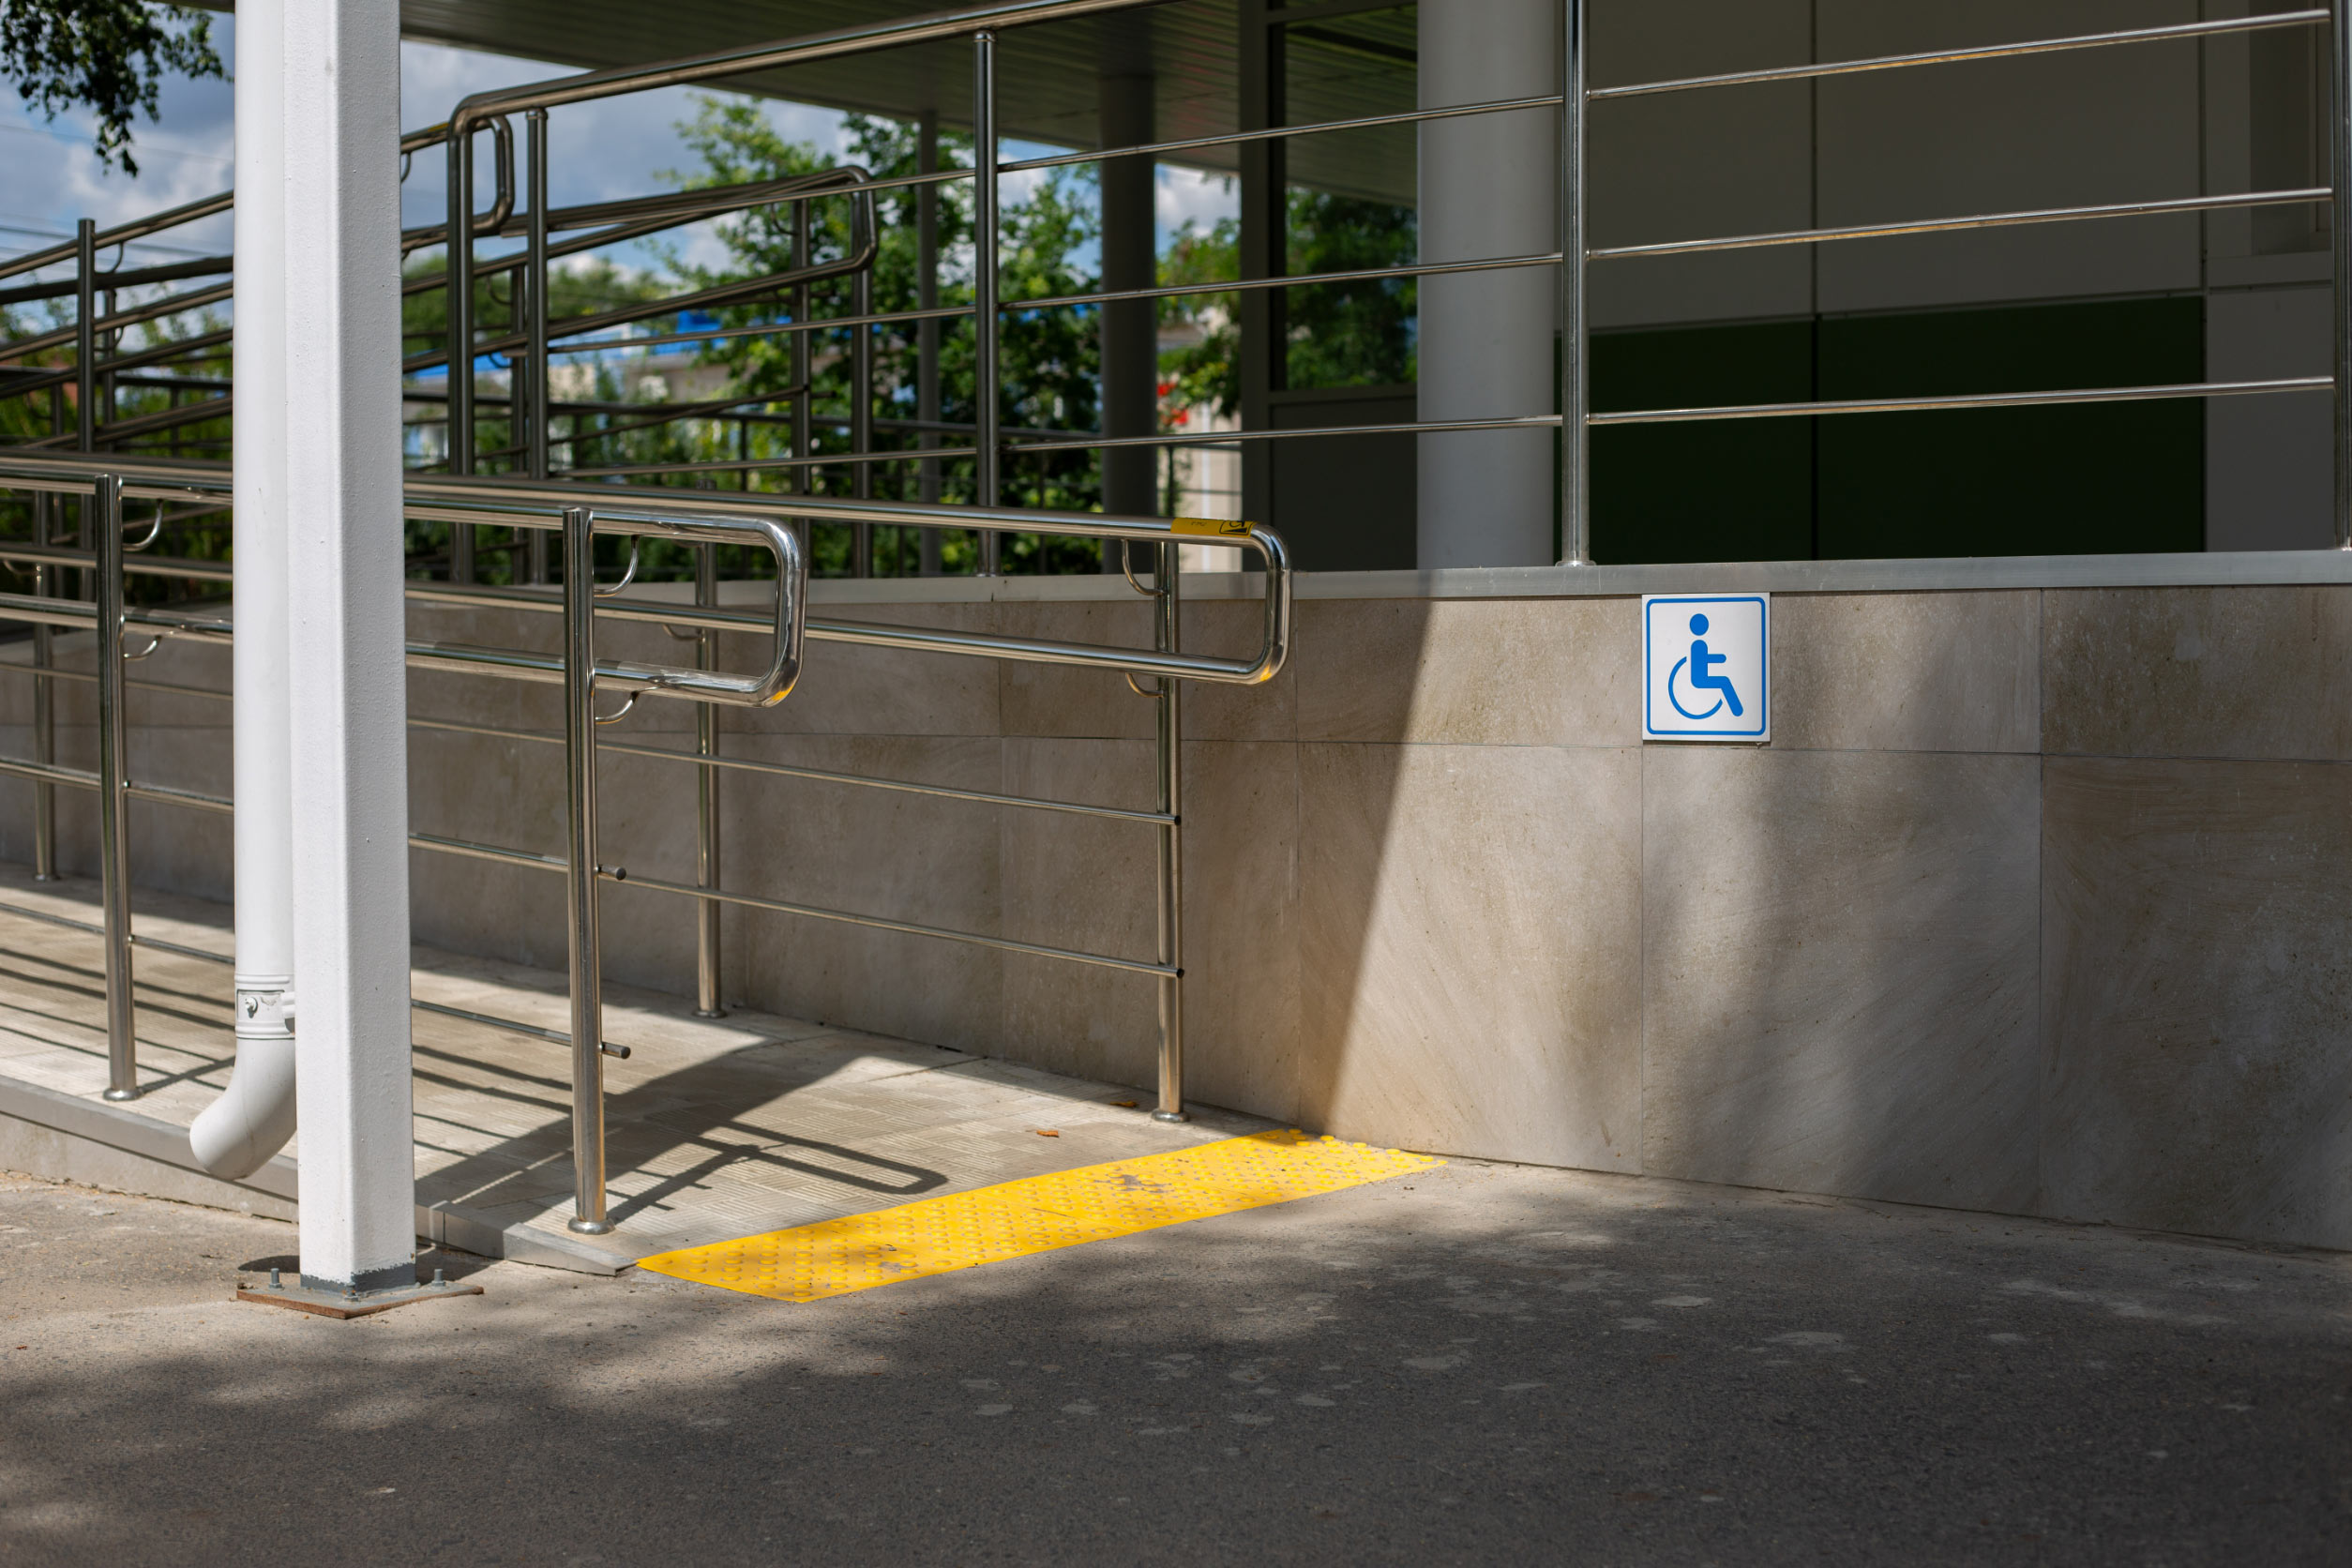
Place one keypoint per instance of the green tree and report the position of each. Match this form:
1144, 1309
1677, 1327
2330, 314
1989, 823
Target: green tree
1049, 363
1207, 370
1351, 334
1339, 335
110, 56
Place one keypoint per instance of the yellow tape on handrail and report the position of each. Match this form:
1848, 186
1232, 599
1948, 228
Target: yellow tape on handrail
1215, 527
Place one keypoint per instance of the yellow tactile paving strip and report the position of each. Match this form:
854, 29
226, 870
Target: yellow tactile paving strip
1040, 1214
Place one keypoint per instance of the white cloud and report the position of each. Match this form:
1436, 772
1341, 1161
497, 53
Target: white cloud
598, 151
1194, 196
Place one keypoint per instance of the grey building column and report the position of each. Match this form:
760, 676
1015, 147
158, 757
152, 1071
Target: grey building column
1488, 187
1130, 331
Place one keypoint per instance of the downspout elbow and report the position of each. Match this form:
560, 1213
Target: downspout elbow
237, 1133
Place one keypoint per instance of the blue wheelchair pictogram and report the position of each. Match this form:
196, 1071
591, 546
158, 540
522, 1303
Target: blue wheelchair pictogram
1701, 664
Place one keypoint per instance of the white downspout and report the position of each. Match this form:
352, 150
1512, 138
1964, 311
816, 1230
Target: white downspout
255, 1116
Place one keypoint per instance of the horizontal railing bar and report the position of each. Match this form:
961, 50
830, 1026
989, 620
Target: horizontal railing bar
1301, 280
515, 1025
168, 272
981, 797
179, 947
616, 80
1218, 438
51, 672
1955, 56
1968, 400
143, 565
1055, 302
1153, 150
515, 664
822, 775
96, 930
81, 612
539, 504
144, 477
1978, 220
23, 384
470, 850
166, 795
155, 224
170, 306
182, 414
903, 927
81, 779
47, 613
762, 329
927, 640
48, 773
733, 465
676, 412
1143, 661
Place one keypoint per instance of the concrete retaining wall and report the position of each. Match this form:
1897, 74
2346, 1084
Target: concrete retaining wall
2035, 904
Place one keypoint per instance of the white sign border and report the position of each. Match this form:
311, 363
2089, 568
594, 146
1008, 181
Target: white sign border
1741, 737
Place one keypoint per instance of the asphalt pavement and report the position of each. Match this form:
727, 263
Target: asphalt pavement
1480, 1365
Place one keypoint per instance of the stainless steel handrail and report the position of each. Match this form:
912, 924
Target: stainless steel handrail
785, 619
704, 521
424, 503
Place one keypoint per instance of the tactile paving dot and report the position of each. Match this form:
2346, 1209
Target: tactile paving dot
1040, 1214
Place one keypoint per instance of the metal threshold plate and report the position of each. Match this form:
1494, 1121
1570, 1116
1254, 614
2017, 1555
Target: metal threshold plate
1038, 1214
334, 1303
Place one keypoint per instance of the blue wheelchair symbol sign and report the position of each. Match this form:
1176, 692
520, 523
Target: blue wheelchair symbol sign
1700, 662
1706, 667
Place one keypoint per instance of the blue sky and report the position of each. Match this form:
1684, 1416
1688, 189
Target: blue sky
598, 152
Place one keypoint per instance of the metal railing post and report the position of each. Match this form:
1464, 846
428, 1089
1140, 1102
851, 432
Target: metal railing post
85, 336
1575, 436
706, 932
862, 419
1167, 638
113, 803
579, 765
986, 418
44, 709
2339, 223
926, 332
801, 480
533, 362
459, 290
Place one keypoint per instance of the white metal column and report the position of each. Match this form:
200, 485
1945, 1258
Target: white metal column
345, 643
255, 1115
1488, 187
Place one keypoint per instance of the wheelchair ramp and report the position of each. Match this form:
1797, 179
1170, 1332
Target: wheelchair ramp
716, 1130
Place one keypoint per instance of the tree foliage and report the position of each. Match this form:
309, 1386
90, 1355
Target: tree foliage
110, 56
1049, 361
1351, 334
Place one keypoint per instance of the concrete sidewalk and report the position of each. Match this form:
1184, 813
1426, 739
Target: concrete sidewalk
1479, 1364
